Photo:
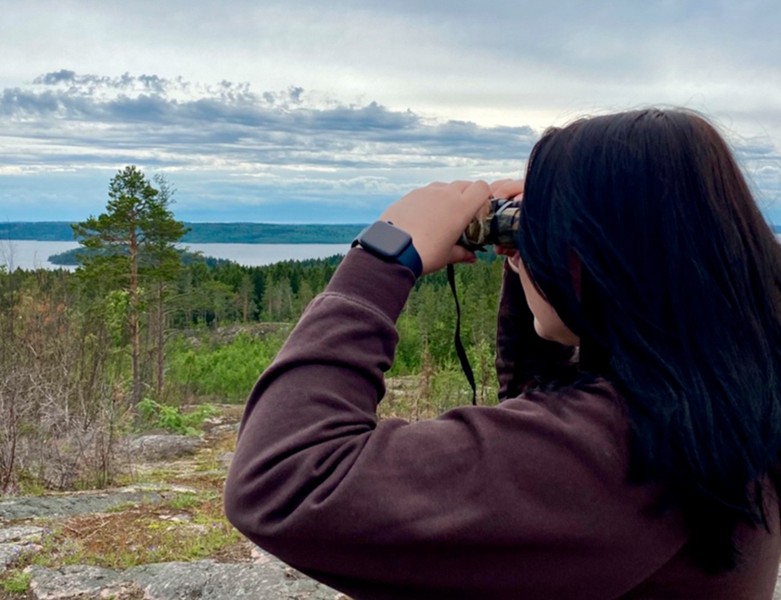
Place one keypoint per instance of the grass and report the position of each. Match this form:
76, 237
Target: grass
18, 582
29, 485
184, 501
432, 393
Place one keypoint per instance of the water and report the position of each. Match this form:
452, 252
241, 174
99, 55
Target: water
252, 255
28, 254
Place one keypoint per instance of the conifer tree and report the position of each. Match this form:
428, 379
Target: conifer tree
132, 244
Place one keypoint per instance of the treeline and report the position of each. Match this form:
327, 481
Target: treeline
230, 293
229, 321
74, 257
226, 292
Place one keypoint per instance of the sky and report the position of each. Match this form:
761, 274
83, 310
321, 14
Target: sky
306, 111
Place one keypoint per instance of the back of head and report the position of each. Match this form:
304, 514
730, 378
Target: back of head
641, 231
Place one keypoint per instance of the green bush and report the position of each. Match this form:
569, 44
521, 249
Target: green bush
172, 419
226, 372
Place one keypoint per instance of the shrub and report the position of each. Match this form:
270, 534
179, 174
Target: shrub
226, 371
172, 419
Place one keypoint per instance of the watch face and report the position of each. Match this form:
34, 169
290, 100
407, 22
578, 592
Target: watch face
385, 239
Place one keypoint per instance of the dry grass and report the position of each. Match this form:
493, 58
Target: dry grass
189, 527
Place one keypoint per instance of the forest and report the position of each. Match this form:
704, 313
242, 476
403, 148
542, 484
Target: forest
140, 328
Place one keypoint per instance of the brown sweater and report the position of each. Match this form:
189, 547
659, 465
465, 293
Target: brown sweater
526, 500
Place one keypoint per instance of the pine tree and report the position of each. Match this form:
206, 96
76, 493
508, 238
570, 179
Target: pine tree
132, 244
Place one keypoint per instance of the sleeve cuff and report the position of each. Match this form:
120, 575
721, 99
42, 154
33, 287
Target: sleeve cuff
386, 286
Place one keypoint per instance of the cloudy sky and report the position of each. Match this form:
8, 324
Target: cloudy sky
315, 111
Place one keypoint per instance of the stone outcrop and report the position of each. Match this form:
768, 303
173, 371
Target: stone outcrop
17, 542
261, 577
80, 503
161, 447
206, 580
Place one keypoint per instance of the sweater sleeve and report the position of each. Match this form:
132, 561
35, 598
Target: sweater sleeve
524, 500
523, 359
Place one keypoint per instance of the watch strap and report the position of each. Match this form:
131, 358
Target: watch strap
410, 258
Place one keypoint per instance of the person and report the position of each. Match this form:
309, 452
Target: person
634, 452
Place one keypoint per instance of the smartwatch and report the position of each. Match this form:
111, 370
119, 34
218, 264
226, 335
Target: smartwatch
391, 244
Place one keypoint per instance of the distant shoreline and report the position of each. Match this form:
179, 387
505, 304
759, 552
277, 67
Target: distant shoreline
34, 254
203, 233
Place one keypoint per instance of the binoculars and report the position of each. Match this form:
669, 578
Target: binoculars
497, 224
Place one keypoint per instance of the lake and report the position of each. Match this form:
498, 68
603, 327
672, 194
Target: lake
28, 254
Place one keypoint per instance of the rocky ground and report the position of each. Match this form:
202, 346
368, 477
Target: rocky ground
161, 536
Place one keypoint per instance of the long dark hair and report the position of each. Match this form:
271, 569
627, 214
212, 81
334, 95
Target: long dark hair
677, 302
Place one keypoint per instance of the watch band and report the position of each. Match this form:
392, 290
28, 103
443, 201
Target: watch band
411, 259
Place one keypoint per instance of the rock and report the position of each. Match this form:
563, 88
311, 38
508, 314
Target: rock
205, 580
12, 552
162, 447
227, 428
219, 424
80, 503
182, 518
17, 542
60, 472
166, 581
81, 583
21, 533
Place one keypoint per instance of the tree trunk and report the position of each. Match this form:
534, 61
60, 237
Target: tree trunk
160, 342
135, 338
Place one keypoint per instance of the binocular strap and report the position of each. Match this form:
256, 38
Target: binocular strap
462, 357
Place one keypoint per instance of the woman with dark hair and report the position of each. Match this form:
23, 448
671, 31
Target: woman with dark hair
635, 450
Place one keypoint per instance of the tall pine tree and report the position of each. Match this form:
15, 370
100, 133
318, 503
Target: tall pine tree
132, 245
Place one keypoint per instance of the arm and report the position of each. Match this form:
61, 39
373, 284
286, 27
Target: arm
524, 500
528, 499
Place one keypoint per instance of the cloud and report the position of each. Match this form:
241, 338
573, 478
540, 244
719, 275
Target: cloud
63, 75
89, 83
226, 142
174, 119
